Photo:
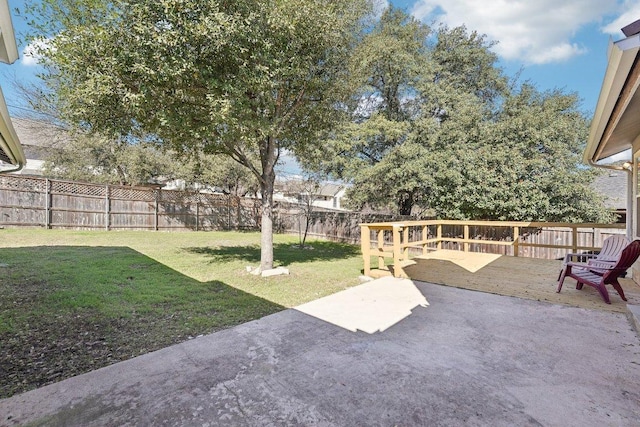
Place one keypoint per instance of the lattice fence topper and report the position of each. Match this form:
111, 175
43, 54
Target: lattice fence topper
75, 188
11, 182
216, 199
123, 193
173, 196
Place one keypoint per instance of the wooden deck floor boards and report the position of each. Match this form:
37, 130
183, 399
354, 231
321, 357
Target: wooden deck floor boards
520, 277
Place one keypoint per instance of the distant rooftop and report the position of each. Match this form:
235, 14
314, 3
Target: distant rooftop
613, 186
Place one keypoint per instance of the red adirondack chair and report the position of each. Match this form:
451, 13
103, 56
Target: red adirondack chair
609, 253
602, 274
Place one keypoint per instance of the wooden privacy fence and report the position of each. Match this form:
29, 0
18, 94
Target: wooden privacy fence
49, 203
332, 225
398, 241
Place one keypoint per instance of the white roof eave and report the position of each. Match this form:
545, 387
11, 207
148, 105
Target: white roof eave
8, 46
9, 141
622, 56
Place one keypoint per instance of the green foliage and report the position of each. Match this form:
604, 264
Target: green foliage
218, 171
101, 160
522, 165
232, 76
386, 69
450, 133
463, 62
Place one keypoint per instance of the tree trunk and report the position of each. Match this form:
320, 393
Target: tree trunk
266, 227
306, 228
405, 204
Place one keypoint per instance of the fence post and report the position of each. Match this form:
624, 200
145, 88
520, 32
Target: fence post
47, 204
229, 212
107, 208
198, 212
574, 237
439, 236
156, 208
516, 240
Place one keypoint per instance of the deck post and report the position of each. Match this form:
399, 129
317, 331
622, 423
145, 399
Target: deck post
466, 238
381, 249
405, 240
425, 237
365, 245
395, 239
397, 251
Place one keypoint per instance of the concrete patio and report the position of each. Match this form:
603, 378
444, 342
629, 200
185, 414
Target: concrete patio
467, 358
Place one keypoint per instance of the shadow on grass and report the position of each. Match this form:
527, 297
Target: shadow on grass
67, 310
283, 253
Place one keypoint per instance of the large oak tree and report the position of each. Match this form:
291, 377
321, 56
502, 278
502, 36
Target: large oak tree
246, 78
437, 125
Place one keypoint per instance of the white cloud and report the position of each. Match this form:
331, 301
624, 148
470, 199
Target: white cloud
630, 12
559, 52
31, 53
623, 156
535, 32
379, 6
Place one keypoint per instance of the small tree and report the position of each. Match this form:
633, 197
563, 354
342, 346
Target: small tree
308, 191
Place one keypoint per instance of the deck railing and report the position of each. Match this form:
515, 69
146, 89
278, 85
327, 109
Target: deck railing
396, 242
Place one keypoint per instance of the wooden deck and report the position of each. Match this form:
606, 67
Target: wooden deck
520, 277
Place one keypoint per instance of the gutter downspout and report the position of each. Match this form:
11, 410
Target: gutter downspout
17, 168
629, 171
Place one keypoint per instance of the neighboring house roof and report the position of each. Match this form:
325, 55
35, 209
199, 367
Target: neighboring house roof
10, 149
330, 190
297, 187
613, 186
616, 122
39, 137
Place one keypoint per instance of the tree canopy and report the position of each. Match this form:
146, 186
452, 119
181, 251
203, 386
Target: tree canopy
437, 125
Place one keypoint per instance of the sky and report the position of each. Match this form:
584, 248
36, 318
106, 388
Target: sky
553, 44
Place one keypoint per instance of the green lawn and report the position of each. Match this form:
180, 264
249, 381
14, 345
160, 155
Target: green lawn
72, 301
